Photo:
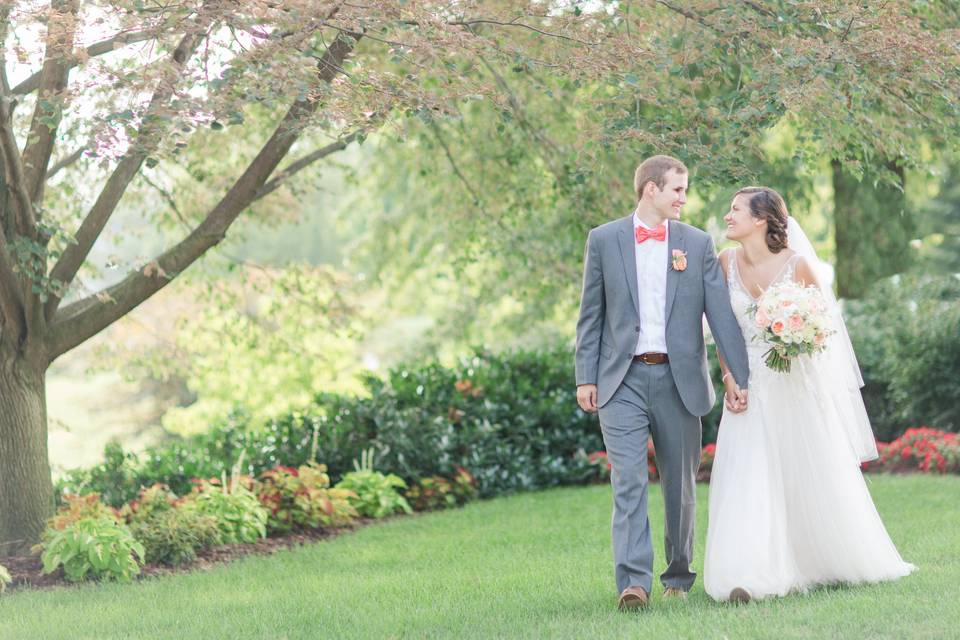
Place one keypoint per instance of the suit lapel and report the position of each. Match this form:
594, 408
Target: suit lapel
629, 256
675, 241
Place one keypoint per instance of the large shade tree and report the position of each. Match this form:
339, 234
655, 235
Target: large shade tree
123, 87
744, 92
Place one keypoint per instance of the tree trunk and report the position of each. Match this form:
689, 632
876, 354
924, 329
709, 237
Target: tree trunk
26, 490
873, 230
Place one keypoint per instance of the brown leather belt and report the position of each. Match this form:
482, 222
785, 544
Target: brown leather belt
651, 357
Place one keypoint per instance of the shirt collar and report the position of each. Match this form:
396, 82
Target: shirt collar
637, 222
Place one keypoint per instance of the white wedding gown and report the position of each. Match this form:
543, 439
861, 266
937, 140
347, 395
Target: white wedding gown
789, 508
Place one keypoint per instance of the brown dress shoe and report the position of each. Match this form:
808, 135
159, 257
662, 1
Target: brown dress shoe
739, 596
633, 598
674, 592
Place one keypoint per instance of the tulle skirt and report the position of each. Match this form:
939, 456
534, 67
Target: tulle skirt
789, 507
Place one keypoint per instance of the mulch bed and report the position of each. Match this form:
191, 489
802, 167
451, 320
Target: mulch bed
27, 571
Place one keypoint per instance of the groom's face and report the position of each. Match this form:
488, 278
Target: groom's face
669, 200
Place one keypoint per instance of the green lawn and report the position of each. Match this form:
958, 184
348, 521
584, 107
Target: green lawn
534, 565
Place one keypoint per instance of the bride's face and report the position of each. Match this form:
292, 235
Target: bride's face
740, 224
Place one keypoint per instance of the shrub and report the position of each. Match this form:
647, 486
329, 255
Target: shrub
375, 495
906, 332
173, 537
93, 547
707, 455
5, 578
76, 507
919, 449
302, 498
437, 492
238, 513
169, 535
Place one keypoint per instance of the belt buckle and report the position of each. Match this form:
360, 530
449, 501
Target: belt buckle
645, 358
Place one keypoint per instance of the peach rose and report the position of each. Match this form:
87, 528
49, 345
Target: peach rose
679, 260
777, 327
796, 322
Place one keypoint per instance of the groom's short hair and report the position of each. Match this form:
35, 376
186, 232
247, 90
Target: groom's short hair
655, 169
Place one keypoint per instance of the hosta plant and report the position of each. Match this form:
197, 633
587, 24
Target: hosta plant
239, 514
376, 495
302, 498
99, 548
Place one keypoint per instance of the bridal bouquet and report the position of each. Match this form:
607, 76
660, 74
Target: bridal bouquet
793, 320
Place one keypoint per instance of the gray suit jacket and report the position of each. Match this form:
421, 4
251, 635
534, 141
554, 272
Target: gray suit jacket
609, 323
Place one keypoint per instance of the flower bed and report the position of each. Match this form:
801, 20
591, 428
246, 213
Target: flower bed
920, 449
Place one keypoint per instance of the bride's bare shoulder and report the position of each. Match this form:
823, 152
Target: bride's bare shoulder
803, 272
724, 257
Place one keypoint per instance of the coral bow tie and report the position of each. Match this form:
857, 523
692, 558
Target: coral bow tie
644, 234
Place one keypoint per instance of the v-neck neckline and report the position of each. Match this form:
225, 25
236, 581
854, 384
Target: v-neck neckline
743, 285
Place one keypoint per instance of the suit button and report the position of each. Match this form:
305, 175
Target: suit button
637, 328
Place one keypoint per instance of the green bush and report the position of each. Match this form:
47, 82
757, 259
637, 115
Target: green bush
437, 492
239, 515
93, 547
302, 498
906, 332
511, 419
374, 495
170, 535
173, 537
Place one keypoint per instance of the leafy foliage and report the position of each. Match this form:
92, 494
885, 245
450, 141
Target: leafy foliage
78, 507
906, 333
375, 495
437, 492
170, 535
302, 498
238, 513
92, 547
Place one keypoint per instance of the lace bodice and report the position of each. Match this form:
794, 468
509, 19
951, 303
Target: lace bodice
740, 301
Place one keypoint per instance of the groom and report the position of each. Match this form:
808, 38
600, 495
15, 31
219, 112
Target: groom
648, 279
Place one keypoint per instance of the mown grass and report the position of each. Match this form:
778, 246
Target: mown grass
528, 566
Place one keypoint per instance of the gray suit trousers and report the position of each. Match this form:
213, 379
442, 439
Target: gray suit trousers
647, 404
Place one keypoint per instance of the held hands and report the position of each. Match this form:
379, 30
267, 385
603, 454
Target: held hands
734, 397
587, 397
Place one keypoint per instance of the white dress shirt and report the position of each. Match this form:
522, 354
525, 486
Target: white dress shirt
652, 289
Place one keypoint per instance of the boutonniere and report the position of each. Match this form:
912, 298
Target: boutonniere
679, 260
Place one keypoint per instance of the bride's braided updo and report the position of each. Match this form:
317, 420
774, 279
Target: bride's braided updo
767, 204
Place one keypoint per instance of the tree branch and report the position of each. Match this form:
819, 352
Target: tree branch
23, 220
470, 23
11, 306
32, 83
147, 140
304, 162
61, 29
66, 162
81, 320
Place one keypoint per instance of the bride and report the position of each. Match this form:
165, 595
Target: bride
789, 508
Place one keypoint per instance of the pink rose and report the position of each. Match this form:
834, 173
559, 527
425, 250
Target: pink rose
796, 322
777, 327
762, 319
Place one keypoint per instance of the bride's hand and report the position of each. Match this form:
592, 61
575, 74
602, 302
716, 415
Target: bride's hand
734, 398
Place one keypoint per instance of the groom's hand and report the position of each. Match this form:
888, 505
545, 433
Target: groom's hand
735, 398
587, 397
